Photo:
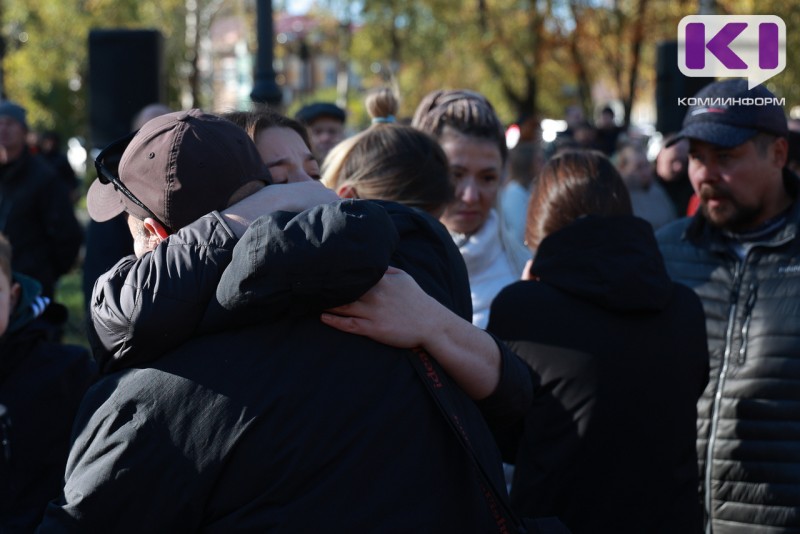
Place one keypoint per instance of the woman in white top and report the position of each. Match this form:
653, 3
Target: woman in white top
473, 138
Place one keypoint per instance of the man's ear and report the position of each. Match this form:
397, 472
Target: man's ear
155, 231
781, 151
14, 294
347, 191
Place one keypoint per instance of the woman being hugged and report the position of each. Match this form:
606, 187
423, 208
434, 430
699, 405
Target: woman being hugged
390, 161
282, 143
473, 138
406, 170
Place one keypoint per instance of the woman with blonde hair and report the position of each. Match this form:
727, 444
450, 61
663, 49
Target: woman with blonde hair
400, 165
390, 161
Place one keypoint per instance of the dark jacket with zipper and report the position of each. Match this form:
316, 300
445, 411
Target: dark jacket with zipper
264, 419
749, 416
620, 356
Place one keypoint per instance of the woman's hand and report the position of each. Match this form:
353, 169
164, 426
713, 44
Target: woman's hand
395, 311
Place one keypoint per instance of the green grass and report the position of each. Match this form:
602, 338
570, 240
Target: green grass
70, 293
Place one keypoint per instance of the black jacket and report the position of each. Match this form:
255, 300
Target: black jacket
275, 421
41, 385
749, 416
621, 357
36, 214
143, 307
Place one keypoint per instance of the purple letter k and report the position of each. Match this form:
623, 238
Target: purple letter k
718, 45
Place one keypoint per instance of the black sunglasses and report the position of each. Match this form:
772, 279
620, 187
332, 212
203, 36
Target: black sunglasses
107, 165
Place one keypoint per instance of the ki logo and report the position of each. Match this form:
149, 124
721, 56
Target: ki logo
726, 46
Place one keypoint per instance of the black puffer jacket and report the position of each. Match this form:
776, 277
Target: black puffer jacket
621, 357
142, 308
36, 214
276, 421
749, 415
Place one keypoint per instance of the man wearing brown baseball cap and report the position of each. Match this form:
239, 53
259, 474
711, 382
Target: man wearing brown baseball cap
741, 253
177, 167
173, 177
231, 406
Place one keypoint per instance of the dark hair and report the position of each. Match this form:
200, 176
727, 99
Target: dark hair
254, 122
390, 161
5, 256
51, 135
467, 112
571, 185
669, 139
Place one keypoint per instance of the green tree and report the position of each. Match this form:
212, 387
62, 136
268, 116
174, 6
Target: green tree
538, 56
787, 83
45, 67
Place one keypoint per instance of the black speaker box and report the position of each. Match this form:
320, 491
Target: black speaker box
671, 84
126, 73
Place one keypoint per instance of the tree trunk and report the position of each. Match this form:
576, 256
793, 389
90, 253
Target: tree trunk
636, 48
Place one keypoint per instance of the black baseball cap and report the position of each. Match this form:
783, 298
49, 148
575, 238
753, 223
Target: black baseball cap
312, 112
727, 113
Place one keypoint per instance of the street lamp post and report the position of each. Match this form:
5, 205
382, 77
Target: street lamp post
265, 90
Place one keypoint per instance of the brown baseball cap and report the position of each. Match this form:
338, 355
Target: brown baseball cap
181, 166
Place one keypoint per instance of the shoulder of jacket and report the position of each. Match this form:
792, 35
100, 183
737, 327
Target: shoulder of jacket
674, 231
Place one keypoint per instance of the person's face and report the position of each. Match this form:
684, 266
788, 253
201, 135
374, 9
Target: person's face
286, 155
573, 116
47, 145
637, 170
325, 133
672, 161
739, 188
606, 120
9, 294
476, 168
13, 135
584, 135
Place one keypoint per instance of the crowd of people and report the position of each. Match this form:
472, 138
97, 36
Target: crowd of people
414, 328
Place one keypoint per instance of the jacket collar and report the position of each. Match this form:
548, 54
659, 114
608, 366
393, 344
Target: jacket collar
31, 303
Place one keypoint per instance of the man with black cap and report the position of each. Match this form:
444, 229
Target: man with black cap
325, 123
36, 213
246, 412
741, 254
